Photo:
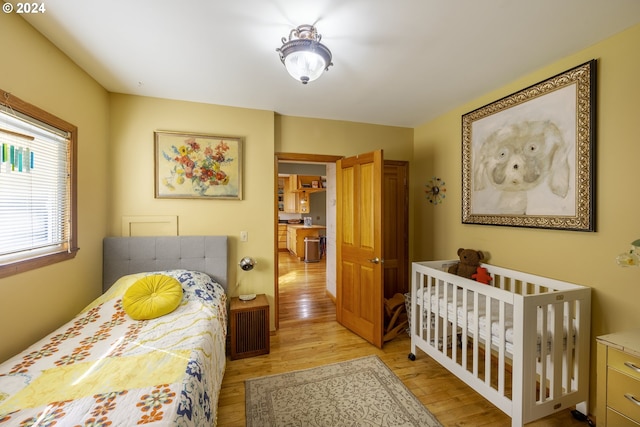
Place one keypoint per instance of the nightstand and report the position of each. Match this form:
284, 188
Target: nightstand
249, 327
619, 379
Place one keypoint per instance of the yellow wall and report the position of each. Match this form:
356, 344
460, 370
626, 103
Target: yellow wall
585, 258
340, 138
33, 304
133, 122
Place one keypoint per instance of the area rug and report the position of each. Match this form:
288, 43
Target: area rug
354, 393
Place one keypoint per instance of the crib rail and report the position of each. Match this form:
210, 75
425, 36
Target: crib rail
522, 342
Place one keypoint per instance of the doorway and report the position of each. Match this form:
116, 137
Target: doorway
286, 164
396, 265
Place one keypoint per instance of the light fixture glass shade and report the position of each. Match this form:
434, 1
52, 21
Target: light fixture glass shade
305, 65
305, 58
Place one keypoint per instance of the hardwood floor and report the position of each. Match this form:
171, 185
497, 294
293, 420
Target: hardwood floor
309, 336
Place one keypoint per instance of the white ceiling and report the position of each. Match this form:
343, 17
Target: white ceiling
400, 62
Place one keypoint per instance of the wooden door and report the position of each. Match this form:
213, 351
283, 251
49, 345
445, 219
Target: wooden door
396, 227
359, 299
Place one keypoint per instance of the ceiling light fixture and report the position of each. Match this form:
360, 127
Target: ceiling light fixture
304, 57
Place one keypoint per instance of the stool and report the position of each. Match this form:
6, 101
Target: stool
396, 312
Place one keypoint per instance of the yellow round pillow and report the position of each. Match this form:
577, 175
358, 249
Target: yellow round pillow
152, 296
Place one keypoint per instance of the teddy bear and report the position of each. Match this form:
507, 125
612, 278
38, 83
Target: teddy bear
469, 262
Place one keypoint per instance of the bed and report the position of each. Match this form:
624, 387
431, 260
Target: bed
522, 342
104, 368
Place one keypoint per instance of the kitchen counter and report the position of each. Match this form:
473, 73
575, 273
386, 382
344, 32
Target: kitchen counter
296, 234
299, 226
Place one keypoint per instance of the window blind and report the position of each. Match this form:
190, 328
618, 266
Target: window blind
34, 188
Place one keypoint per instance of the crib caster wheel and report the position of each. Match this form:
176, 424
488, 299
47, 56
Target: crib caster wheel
412, 356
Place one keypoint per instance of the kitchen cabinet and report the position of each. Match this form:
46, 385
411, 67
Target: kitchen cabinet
291, 198
304, 186
281, 183
291, 239
619, 379
296, 190
308, 183
282, 237
296, 235
304, 203
291, 202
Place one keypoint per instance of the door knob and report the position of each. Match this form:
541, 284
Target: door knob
376, 260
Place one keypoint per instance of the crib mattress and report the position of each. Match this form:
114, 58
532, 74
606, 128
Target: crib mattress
442, 306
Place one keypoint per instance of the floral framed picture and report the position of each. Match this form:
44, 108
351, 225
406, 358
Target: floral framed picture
197, 166
528, 159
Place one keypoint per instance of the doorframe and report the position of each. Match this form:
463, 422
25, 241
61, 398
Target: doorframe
292, 157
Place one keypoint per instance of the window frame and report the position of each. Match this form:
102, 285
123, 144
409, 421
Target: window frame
26, 264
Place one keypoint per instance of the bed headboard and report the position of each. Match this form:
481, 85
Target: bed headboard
128, 255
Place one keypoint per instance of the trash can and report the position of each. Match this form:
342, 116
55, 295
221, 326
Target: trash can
311, 249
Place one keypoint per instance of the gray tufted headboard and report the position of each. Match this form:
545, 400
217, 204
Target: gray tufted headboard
128, 255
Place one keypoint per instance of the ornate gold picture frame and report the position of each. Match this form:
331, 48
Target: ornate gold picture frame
528, 159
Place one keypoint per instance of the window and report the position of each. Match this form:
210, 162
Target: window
37, 187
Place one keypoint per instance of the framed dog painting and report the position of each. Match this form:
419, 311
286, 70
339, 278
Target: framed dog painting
528, 159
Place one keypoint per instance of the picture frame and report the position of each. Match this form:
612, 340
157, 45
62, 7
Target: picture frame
528, 159
197, 166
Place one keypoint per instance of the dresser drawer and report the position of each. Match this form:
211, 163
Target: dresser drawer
619, 386
617, 420
625, 363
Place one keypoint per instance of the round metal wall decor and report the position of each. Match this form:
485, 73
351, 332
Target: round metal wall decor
435, 191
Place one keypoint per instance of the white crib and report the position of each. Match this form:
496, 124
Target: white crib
522, 342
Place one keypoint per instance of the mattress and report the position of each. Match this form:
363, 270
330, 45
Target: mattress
104, 368
442, 306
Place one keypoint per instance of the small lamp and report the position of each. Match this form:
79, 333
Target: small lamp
302, 54
247, 264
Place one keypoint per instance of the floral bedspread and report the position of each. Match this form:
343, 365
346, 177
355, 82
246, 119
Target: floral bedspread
105, 369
